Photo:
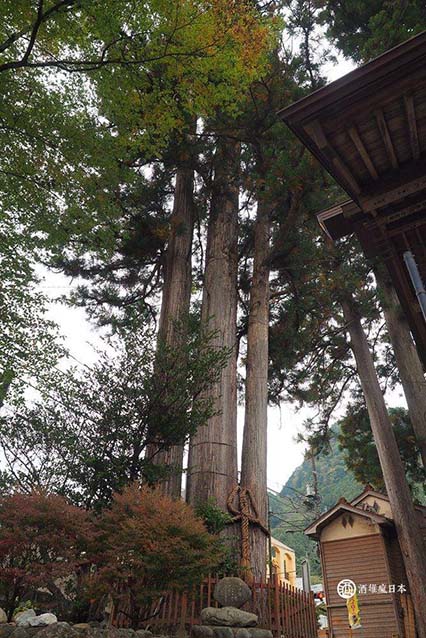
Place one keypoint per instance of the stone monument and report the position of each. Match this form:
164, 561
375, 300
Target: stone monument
228, 620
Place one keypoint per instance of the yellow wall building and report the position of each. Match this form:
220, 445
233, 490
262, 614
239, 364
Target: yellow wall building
283, 562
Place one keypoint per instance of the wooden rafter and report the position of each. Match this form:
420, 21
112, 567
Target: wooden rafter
359, 145
412, 125
315, 129
392, 194
387, 140
407, 211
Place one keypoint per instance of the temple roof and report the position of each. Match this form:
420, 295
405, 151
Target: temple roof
368, 129
369, 125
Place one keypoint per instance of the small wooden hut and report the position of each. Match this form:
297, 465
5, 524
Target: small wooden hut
358, 541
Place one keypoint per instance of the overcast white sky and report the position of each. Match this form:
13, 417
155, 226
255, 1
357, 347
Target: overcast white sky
284, 454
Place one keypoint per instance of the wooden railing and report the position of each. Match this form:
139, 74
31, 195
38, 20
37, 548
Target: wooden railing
288, 612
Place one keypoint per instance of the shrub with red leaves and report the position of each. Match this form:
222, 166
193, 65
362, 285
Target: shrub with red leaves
42, 538
150, 544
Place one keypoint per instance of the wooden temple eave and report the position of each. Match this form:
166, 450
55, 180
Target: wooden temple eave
368, 129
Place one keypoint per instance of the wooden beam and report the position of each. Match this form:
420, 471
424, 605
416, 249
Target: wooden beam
359, 145
408, 211
412, 125
391, 195
413, 226
387, 140
315, 130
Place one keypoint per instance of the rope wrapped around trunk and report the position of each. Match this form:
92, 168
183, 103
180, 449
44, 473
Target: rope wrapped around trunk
246, 512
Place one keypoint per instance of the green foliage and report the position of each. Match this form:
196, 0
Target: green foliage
334, 479
360, 453
149, 544
88, 433
216, 521
119, 288
363, 30
311, 358
23, 606
29, 342
92, 91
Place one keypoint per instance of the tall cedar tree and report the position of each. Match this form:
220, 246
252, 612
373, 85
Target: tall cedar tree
407, 359
176, 293
275, 177
212, 467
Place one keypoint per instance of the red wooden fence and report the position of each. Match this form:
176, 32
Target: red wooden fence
287, 611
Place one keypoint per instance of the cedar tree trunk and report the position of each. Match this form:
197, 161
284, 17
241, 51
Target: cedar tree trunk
212, 471
254, 452
175, 302
407, 359
405, 516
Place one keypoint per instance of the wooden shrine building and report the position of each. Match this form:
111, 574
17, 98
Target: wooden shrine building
368, 129
358, 541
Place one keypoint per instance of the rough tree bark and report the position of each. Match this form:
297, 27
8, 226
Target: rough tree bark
254, 451
407, 360
406, 522
212, 471
175, 303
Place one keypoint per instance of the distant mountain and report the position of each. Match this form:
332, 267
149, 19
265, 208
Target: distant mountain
334, 479
295, 508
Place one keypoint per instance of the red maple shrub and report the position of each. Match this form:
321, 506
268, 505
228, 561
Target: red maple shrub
42, 538
150, 544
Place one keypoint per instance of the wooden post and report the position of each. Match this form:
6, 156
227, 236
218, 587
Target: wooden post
313, 616
183, 613
277, 616
291, 614
286, 611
